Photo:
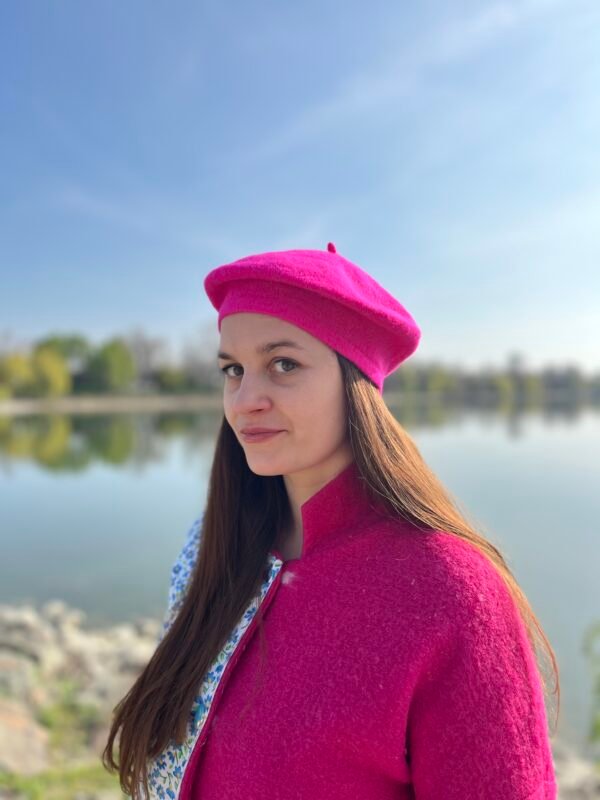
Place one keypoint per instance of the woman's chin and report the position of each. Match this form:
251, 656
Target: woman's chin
264, 467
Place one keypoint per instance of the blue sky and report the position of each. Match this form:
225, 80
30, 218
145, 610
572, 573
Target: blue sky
450, 149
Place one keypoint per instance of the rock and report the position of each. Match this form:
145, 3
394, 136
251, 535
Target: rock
42, 655
59, 614
23, 742
23, 631
17, 675
147, 627
578, 778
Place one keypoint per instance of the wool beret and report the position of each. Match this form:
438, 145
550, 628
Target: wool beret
326, 295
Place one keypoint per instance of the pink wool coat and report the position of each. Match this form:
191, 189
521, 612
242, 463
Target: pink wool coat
395, 666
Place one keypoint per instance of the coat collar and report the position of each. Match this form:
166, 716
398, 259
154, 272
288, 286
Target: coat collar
341, 504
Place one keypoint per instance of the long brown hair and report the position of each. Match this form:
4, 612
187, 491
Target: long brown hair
243, 513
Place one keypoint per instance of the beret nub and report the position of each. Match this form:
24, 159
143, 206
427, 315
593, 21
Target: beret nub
326, 295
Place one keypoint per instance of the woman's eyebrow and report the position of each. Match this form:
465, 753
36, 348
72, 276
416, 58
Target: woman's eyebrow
266, 348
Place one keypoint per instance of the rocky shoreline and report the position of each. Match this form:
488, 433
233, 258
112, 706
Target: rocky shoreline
59, 682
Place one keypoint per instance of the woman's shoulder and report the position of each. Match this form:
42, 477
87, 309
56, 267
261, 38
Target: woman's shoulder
447, 570
462, 563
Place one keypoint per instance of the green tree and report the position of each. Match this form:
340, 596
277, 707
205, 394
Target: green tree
18, 374
171, 379
5, 387
404, 379
111, 368
438, 379
71, 347
503, 387
52, 376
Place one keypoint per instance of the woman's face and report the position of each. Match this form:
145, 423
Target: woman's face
295, 390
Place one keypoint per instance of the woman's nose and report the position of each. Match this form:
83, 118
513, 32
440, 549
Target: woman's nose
251, 394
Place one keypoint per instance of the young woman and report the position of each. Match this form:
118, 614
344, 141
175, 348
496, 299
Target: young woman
336, 628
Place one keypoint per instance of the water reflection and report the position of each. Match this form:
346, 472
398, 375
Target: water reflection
71, 442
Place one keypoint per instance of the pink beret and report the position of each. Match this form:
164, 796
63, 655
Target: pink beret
326, 295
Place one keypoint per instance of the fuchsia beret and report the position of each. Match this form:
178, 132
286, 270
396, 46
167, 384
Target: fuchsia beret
326, 295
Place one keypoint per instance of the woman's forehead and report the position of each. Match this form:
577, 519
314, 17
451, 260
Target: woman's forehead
260, 332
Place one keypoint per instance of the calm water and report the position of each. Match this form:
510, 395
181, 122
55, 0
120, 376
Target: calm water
93, 510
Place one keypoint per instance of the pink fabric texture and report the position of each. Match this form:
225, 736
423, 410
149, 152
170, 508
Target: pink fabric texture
394, 666
326, 295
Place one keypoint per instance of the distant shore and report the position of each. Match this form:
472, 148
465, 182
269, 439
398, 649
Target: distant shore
99, 404
96, 404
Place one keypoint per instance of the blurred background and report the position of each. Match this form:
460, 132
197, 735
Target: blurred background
450, 149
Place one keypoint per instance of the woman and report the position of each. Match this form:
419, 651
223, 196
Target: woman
336, 628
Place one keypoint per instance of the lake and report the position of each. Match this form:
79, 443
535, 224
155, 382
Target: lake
94, 509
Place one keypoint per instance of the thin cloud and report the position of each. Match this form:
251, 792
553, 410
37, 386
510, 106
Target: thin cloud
396, 78
74, 198
157, 220
141, 217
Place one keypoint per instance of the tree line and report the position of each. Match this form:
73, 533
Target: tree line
67, 365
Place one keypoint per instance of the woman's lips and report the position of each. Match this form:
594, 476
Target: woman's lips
259, 437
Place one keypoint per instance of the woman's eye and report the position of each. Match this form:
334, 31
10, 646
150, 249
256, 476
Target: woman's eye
229, 366
284, 371
286, 361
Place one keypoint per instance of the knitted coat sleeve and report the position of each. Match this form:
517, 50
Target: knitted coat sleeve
477, 724
180, 573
